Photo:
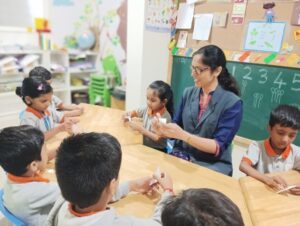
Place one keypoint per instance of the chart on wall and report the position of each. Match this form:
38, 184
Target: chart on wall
158, 14
265, 37
105, 22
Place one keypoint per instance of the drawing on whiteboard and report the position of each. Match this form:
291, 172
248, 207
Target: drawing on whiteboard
276, 95
257, 100
244, 85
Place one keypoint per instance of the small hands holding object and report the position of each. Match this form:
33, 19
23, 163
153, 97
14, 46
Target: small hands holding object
275, 182
170, 130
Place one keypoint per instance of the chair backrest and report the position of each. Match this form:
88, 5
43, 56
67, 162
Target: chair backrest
98, 88
8, 215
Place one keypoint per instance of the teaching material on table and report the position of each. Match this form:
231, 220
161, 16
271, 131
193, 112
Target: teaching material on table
286, 189
163, 120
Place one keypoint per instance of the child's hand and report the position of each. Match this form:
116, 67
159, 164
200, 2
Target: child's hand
80, 108
141, 185
136, 125
126, 116
296, 190
164, 180
275, 182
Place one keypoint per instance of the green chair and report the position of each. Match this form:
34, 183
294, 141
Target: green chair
98, 90
110, 66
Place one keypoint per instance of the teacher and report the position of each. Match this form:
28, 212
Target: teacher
209, 114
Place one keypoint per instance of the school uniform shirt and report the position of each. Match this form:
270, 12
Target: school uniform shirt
63, 214
263, 158
43, 121
30, 198
147, 115
56, 102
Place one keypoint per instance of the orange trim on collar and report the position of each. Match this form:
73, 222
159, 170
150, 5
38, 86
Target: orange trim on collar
270, 151
23, 180
153, 113
37, 113
72, 211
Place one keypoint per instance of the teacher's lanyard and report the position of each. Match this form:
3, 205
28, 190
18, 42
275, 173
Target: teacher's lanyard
47, 122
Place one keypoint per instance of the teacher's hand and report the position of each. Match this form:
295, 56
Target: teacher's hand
170, 130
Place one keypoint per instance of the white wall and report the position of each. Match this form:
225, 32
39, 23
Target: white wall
147, 56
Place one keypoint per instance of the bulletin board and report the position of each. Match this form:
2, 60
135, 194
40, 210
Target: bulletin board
232, 37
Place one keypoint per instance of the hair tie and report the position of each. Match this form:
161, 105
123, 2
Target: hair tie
40, 87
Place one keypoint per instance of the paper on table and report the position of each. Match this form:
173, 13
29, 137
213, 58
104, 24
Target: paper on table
185, 16
286, 189
163, 120
202, 28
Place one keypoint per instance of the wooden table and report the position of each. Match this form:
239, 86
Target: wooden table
102, 119
268, 208
139, 160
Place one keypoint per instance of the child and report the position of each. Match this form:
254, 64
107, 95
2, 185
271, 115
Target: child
23, 155
37, 95
87, 170
70, 110
200, 207
277, 153
159, 100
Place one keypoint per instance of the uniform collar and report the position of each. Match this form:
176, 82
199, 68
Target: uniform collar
270, 151
72, 210
38, 114
23, 180
153, 113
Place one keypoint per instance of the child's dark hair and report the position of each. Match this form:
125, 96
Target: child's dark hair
269, 5
19, 146
286, 116
201, 207
85, 165
164, 92
40, 73
214, 57
33, 87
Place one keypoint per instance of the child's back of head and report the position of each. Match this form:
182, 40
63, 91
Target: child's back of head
85, 166
285, 116
201, 207
19, 146
40, 73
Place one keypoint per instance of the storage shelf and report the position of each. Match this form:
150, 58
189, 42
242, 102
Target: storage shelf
77, 71
78, 88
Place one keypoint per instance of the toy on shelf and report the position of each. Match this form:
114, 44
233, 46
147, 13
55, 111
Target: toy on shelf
269, 12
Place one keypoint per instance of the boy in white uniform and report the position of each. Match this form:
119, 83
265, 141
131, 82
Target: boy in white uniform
87, 170
277, 153
27, 194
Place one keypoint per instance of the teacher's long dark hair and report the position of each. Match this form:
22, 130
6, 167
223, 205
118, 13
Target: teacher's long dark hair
214, 57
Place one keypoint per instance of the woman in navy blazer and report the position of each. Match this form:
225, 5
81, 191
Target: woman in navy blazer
209, 115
